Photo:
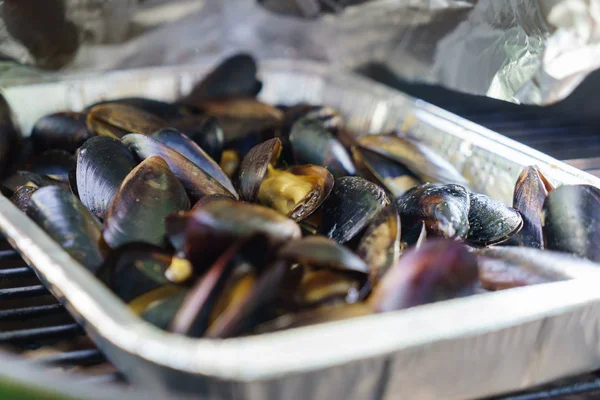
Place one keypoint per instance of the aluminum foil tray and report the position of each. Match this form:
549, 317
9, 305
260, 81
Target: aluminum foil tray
465, 348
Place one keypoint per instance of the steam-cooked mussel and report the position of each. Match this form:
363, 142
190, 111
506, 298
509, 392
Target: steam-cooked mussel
189, 149
26, 178
254, 167
230, 163
117, 120
531, 190
439, 270
443, 208
53, 163
22, 197
418, 158
312, 143
353, 203
197, 182
330, 117
205, 131
148, 194
572, 220
102, 165
490, 221
64, 130
162, 109
67, 221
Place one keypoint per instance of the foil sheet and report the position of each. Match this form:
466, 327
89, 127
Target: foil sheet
458, 349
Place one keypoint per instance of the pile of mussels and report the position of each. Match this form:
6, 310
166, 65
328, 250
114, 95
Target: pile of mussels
218, 215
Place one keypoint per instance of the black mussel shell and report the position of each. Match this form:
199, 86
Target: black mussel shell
330, 117
439, 270
253, 169
148, 194
22, 197
102, 165
572, 220
10, 138
531, 190
443, 208
53, 163
189, 149
197, 182
353, 203
417, 157
26, 178
490, 221
67, 221
312, 143
162, 109
205, 132
64, 130
117, 120
234, 76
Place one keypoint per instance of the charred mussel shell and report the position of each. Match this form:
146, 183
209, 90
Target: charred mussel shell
197, 182
490, 221
189, 149
572, 220
117, 120
213, 226
312, 143
417, 157
439, 270
353, 203
102, 165
64, 130
443, 208
148, 194
69, 222
22, 197
531, 190
205, 132
254, 167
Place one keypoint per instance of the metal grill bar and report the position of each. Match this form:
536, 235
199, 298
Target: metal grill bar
77, 357
23, 292
8, 255
65, 331
30, 312
19, 272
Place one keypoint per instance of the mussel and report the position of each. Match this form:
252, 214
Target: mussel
205, 131
10, 137
22, 197
490, 221
116, 120
64, 130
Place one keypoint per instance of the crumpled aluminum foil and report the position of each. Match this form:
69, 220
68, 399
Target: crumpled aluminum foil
533, 52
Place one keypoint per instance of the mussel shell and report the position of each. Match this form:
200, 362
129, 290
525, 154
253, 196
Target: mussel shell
439, 270
318, 251
380, 246
443, 208
102, 165
160, 312
205, 131
417, 157
162, 109
116, 120
64, 130
312, 143
415, 236
195, 180
148, 194
392, 176
330, 117
253, 169
189, 149
10, 137
26, 178
572, 220
322, 188
353, 203
234, 76
214, 226
498, 274
54, 163
22, 197
490, 221
531, 190
67, 221
134, 269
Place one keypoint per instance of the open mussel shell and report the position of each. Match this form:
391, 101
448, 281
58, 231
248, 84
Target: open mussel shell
443, 208
414, 236
22, 197
197, 182
531, 190
320, 287
490, 221
353, 203
116, 120
69, 222
162, 109
102, 165
215, 225
234, 76
380, 246
253, 169
572, 220
205, 131
392, 176
148, 194
418, 158
26, 178
297, 191
53, 163
64, 130
10, 138
439, 270
312, 143
189, 149
135, 269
